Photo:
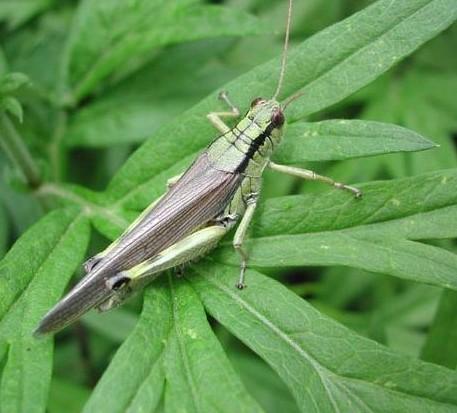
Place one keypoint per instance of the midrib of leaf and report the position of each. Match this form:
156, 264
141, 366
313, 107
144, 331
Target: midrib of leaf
354, 396
182, 350
321, 370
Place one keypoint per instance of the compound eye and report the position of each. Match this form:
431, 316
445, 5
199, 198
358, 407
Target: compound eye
256, 101
277, 119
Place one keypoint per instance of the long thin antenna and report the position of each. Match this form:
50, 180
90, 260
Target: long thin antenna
284, 52
291, 99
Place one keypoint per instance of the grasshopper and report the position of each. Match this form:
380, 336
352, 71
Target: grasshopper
220, 189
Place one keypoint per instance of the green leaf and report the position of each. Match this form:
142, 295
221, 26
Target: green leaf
13, 106
263, 383
344, 139
441, 344
37, 50
327, 367
401, 258
179, 356
11, 82
393, 205
67, 397
326, 63
4, 231
3, 63
33, 276
115, 325
15, 13
107, 35
400, 317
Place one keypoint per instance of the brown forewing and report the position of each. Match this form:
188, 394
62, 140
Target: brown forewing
198, 196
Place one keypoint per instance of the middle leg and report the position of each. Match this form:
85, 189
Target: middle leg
240, 235
313, 176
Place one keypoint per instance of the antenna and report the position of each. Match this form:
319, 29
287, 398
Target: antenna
291, 99
284, 52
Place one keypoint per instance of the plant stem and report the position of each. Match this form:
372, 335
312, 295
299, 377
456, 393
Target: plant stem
55, 147
89, 208
14, 146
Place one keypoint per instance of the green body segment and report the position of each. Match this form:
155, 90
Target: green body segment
246, 149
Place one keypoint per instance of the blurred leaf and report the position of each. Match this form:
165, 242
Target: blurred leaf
343, 139
400, 316
133, 109
326, 366
33, 276
430, 109
10, 82
420, 100
17, 12
441, 344
263, 383
3, 63
37, 50
13, 106
4, 231
67, 397
341, 286
107, 34
115, 325
23, 209
9, 85
439, 52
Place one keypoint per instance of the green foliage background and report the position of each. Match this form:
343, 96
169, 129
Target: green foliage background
350, 305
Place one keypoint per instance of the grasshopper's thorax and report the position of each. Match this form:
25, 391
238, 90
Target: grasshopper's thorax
247, 147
